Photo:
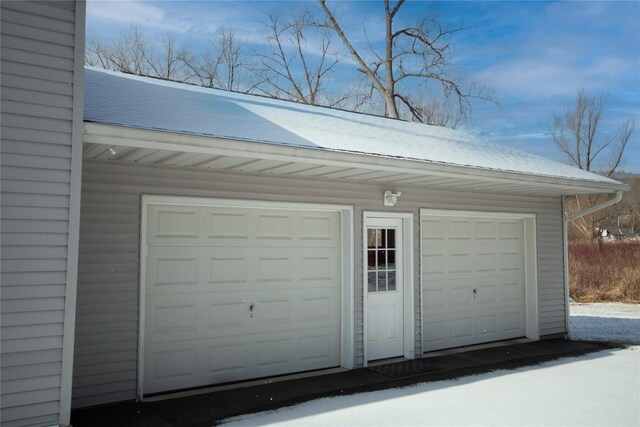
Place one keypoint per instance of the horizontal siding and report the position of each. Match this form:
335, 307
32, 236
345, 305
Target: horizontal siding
37, 76
107, 313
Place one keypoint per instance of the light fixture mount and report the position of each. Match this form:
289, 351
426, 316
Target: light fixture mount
390, 198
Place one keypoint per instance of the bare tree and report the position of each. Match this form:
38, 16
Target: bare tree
296, 69
134, 54
577, 134
169, 62
224, 66
231, 52
128, 54
205, 68
412, 54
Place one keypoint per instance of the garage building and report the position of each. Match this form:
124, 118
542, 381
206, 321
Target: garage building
227, 237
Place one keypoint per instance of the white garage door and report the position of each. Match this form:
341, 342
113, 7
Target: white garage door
473, 280
237, 293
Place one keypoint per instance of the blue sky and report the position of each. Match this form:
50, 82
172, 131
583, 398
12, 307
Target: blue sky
534, 56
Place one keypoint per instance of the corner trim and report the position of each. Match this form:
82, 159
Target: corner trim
71, 288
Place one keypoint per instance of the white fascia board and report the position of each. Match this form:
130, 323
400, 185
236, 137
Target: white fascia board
114, 135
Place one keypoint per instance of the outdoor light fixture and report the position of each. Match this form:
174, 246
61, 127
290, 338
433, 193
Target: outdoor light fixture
390, 198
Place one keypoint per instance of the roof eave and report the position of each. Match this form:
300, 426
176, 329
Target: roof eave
117, 135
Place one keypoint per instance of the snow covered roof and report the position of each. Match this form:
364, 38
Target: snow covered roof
130, 101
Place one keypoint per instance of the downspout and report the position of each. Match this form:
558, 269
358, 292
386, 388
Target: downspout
565, 238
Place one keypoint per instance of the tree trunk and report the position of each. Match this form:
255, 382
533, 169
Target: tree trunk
389, 95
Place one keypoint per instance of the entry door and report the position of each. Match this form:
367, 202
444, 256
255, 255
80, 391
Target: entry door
384, 277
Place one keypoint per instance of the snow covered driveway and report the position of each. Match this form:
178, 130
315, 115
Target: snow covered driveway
612, 322
599, 389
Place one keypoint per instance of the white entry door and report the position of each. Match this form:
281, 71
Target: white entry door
235, 293
384, 287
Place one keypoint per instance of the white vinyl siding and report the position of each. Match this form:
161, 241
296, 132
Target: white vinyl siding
37, 104
107, 326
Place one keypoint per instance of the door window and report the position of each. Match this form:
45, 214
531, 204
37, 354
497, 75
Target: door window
381, 259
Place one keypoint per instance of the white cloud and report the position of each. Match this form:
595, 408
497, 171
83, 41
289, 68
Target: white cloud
133, 12
544, 76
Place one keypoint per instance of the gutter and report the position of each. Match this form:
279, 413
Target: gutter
596, 208
565, 225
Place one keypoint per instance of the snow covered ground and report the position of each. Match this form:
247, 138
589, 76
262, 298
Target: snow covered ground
606, 322
598, 389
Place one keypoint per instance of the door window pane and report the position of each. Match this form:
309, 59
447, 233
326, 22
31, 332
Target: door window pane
391, 259
382, 281
371, 260
391, 238
382, 259
374, 237
391, 282
371, 281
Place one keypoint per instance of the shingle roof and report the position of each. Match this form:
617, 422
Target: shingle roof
147, 103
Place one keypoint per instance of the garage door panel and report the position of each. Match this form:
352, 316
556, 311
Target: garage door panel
208, 269
461, 328
487, 325
479, 264
200, 362
273, 228
227, 269
188, 316
486, 294
510, 230
227, 225
512, 292
197, 362
298, 309
204, 226
490, 293
256, 293
323, 228
473, 280
180, 317
485, 230
514, 321
170, 225
171, 271
472, 328
171, 365
227, 312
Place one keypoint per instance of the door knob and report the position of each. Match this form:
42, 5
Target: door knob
252, 306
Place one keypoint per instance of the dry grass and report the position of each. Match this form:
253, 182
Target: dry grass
609, 272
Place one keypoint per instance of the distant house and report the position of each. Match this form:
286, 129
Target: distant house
619, 233
172, 236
